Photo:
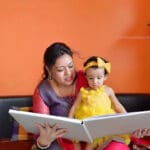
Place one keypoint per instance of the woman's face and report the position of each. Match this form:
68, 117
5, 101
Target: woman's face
63, 71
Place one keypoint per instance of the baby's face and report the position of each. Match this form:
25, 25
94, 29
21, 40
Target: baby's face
95, 77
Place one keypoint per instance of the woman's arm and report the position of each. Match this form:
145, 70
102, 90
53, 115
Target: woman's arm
47, 134
115, 102
38, 104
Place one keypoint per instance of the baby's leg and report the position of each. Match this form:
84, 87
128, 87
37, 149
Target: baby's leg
77, 146
89, 146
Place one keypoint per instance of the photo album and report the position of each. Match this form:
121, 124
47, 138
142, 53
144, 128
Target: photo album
87, 129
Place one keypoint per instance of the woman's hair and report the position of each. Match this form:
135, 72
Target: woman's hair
53, 52
94, 59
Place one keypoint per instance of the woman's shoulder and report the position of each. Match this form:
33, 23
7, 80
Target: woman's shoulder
80, 73
81, 80
44, 87
43, 84
81, 76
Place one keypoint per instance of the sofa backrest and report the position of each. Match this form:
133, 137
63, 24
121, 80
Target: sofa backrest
132, 103
6, 122
135, 102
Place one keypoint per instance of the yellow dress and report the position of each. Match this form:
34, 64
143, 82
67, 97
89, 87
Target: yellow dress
94, 103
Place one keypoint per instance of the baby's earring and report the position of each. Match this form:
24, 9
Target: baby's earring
49, 77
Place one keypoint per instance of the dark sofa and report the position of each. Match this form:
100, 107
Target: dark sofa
132, 103
6, 122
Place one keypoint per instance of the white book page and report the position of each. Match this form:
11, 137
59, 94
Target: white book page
28, 120
117, 124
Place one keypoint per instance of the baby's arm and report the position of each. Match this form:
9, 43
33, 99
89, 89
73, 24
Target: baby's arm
115, 102
74, 106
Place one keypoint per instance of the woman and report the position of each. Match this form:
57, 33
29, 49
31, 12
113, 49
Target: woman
56, 93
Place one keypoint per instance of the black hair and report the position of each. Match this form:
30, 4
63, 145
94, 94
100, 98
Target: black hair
53, 52
94, 58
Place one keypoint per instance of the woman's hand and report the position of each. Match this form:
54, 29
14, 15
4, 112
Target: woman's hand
140, 133
48, 134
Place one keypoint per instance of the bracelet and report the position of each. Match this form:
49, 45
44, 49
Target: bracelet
42, 147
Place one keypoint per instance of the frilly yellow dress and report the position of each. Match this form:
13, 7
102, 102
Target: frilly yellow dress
94, 103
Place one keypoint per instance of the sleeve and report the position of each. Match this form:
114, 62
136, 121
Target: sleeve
38, 104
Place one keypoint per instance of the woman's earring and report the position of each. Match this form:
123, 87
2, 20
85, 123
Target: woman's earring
49, 77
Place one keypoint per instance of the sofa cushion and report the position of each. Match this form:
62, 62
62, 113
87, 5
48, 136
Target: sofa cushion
18, 132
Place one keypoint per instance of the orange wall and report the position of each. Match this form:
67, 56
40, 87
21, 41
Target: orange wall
116, 30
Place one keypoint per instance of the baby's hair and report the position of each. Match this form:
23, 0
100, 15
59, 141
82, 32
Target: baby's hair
94, 59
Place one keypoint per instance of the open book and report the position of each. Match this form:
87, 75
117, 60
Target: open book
87, 129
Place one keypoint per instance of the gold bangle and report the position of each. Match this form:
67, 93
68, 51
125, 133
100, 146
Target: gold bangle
42, 147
